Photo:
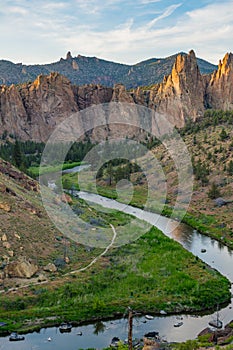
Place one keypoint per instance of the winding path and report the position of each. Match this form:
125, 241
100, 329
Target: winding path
71, 272
99, 256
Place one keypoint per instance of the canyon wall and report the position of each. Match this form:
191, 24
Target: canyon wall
31, 111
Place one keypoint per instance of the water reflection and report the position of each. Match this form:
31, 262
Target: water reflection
99, 327
99, 335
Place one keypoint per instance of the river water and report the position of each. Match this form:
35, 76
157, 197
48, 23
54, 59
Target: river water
217, 256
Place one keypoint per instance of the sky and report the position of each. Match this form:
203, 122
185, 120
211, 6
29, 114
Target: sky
40, 31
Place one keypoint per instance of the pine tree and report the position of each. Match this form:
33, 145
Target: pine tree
223, 135
17, 155
214, 191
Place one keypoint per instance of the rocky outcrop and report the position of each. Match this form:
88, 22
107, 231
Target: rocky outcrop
218, 337
23, 180
88, 95
220, 89
13, 115
180, 95
20, 269
33, 110
47, 101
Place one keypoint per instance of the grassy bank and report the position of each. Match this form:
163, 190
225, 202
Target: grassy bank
35, 171
206, 224
150, 274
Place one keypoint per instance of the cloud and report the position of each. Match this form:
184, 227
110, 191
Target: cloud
146, 2
17, 10
55, 6
96, 6
207, 30
14, 10
37, 31
168, 12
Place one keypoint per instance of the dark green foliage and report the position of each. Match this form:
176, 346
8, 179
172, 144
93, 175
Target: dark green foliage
28, 154
188, 345
230, 168
211, 118
79, 150
194, 140
214, 191
151, 142
17, 304
97, 71
223, 135
59, 263
118, 169
201, 172
17, 154
4, 135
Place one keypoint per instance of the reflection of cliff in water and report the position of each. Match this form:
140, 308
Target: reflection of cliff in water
184, 235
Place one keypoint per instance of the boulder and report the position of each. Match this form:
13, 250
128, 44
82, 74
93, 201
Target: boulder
50, 267
20, 269
6, 245
220, 202
41, 277
4, 238
5, 207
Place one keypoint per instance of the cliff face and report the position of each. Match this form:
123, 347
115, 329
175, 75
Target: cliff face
220, 88
180, 95
32, 110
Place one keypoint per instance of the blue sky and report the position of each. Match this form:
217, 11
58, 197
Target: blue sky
40, 31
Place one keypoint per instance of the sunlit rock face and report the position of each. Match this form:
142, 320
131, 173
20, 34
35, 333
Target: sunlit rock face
31, 111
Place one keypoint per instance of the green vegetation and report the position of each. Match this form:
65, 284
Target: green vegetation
211, 118
203, 342
26, 155
214, 191
92, 69
210, 144
36, 171
154, 272
19, 152
188, 345
150, 274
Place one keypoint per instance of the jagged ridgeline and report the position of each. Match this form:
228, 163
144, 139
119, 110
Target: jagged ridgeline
82, 70
30, 111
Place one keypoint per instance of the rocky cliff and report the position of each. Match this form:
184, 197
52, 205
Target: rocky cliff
32, 110
220, 88
180, 95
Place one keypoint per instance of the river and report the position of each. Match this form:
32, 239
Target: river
216, 255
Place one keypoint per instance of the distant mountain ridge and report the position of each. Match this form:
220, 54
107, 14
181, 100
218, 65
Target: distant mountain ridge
31, 111
82, 70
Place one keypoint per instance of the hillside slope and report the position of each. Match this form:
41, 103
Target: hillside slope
82, 70
28, 239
